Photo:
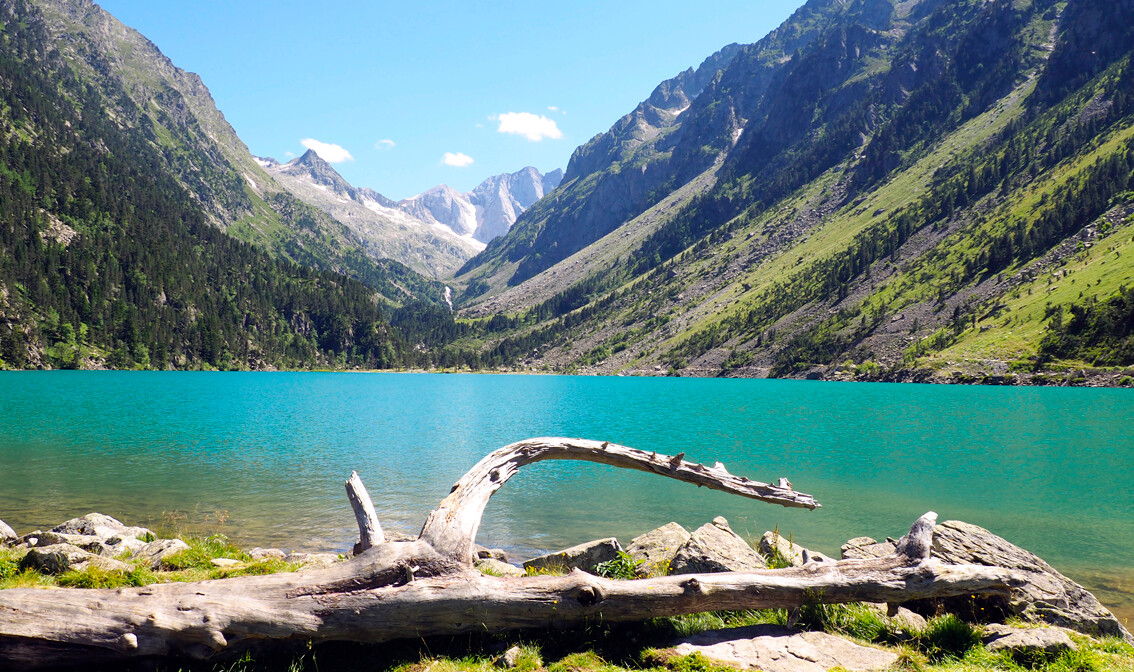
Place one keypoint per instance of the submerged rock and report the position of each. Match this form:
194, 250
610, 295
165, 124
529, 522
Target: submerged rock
655, 549
584, 556
714, 547
774, 648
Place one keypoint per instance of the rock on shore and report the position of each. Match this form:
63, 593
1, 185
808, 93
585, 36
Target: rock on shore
1048, 596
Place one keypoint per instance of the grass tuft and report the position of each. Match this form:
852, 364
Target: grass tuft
947, 637
97, 577
624, 566
854, 620
202, 551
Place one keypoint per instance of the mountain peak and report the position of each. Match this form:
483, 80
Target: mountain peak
310, 158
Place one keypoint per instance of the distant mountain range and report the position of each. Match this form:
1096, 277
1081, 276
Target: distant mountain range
488, 211
476, 217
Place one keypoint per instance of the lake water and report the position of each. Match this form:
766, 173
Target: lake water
262, 457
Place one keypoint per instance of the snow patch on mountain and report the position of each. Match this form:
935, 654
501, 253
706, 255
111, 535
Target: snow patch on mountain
489, 210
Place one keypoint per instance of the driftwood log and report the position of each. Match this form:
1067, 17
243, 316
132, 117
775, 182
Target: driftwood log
429, 586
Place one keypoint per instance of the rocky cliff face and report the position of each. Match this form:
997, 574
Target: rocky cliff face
197, 142
688, 125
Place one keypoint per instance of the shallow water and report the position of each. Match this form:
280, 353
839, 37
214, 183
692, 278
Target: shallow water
263, 456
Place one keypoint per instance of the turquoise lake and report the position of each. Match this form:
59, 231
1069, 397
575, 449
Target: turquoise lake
262, 457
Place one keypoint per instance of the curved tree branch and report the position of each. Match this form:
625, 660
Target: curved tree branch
451, 528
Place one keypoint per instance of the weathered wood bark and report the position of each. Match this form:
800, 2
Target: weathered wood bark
452, 526
369, 529
429, 586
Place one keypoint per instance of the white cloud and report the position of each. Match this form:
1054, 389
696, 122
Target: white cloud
532, 127
553, 108
459, 160
384, 143
326, 151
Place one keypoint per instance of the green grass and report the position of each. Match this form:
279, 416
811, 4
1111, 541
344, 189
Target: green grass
946, 645
623, 566
194, 564
202, 551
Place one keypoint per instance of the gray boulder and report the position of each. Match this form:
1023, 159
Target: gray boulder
103, 527
54, 559
1027, 644
714, 547
156, 552
7, 534
494, 553
258, 553
772, 544
1046, 596
774, 648
655, 549
105, 546
496, 567
584, 556
905, 619
107, 564
865, 547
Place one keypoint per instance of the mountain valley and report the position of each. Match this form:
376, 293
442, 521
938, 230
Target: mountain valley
932, 190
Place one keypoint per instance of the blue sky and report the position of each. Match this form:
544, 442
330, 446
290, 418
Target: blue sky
420, 94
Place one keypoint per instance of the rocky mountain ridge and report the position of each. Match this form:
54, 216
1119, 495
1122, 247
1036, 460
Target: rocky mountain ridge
198, 145
488, 211
475, 217
109, 258
887, 188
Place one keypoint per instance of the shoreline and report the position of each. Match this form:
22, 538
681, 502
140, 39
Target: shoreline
1113, 587
1084, 377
